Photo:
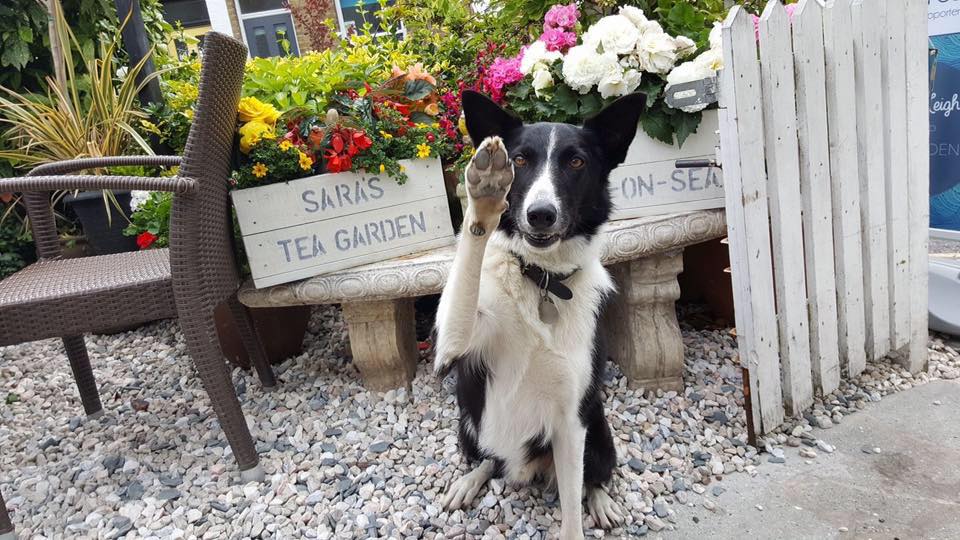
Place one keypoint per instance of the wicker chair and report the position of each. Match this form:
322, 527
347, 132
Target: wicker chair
69, 297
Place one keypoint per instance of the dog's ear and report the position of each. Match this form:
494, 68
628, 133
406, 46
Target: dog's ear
485, 118
616, 125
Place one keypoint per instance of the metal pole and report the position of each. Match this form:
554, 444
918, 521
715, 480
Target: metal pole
137, 45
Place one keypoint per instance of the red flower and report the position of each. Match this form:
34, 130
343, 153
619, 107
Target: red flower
430, 137
361, 139
146, 239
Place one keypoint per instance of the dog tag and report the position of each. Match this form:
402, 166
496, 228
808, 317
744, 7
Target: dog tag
547, 310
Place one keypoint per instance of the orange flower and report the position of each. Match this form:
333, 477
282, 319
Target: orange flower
413, 74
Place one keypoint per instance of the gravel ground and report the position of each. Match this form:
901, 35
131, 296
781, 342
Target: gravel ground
342, 462
940, 246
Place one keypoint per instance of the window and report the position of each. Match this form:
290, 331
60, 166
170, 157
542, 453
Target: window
268, 28
350, 17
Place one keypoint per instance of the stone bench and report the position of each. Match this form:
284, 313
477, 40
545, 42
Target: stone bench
644, 256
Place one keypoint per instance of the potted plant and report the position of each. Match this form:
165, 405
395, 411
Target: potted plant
572, 71
377, 138
85, 114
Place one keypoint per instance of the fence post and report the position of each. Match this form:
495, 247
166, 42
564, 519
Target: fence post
815, 191
741, 144
873, 206
842, 123
783, 181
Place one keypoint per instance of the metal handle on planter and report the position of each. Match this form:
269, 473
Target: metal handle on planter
696, 163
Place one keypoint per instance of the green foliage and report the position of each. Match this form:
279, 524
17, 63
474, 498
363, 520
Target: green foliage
25, 59
449, 35
16, 247
153, 216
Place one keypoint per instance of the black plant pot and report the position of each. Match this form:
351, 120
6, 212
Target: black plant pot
104, 235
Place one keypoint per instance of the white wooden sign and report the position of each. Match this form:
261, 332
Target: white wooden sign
649, 184
320, 224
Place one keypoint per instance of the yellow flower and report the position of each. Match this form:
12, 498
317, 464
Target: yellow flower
403, 169
423, 151
188, 113
259, 170
421, 126
251, 109
386, 135
462, 124
285, 145
435, 125
252, 132
306, 162
382, 168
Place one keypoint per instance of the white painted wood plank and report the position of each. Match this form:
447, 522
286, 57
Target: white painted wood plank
873, 206
648, 184
736, 237
748, 219
815, 191
783, 170
306, 250
660, 184
841, 121
895, 146
918, 174
330, 196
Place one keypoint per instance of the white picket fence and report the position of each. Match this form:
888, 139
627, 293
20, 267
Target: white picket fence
823, 129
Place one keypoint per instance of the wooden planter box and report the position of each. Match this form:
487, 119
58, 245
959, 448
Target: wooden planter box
648, 183
319, 224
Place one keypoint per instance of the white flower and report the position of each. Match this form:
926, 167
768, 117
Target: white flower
651, 27
689, 71
712, 59
615, 33
716, 36
615, 85
537, 55
685, 46
656, 53
583, 67
138, 197
541, 80
635, 15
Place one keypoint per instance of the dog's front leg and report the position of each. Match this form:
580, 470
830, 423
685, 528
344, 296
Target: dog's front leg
489, 176
568, 446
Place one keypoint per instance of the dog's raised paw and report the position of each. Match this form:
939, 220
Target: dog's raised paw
605, 511
489, 176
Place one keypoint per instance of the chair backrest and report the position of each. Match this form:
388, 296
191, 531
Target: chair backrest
201, 245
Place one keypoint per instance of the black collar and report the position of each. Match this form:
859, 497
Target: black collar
545, 280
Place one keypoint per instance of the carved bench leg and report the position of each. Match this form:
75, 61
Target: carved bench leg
383, 342
641, 323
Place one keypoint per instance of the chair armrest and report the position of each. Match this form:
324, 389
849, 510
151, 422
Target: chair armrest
74, 165
173, 184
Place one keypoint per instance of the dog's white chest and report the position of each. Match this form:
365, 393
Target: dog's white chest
539, 370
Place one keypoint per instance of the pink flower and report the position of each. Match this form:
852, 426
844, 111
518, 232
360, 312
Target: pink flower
790, 8
557, 39
502, 72
560, 16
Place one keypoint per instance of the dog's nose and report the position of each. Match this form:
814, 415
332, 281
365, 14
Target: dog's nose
541, 215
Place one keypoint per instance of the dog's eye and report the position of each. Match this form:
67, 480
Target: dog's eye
577, 163
519, 160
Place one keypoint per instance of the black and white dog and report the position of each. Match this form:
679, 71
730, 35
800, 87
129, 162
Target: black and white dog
518, 316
